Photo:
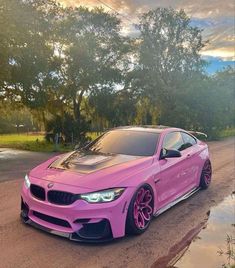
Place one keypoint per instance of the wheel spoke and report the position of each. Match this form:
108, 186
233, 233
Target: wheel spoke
207, 171
147, 212
147, 198
140, 195
142, 208
139, 221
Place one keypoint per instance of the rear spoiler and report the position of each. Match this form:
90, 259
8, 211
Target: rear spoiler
198, 134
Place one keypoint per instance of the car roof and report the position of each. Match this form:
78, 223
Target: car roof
145, 128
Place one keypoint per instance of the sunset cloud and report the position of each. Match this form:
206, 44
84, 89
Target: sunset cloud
216, 17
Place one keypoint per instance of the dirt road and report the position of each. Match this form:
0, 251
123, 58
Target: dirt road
171, 232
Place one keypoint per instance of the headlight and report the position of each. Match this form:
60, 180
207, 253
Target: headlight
103, 196
27, 181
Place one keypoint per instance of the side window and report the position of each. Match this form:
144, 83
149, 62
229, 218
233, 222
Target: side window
188, 140
173, 140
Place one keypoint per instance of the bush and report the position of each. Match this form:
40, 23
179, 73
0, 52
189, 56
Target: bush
67, 128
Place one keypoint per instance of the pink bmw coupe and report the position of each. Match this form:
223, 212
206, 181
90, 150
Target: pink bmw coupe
115, 184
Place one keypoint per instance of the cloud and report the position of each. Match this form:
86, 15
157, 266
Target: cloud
219, 33
216, 17
225, 53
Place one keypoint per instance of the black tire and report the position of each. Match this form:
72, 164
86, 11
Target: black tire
131, 227
206, 174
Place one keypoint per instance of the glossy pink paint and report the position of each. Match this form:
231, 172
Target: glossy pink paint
168, 178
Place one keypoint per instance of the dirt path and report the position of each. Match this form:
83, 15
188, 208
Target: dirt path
23, 246
15, 163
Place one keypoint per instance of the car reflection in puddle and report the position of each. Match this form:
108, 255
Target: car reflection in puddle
211, 244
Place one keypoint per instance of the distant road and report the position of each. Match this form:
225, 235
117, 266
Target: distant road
24, 246
14, 164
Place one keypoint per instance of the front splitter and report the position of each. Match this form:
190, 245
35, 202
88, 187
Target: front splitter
71, 236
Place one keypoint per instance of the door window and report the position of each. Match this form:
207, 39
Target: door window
173, 140
188, 140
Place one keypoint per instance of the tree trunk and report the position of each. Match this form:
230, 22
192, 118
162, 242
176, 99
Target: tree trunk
77, 116
77, 111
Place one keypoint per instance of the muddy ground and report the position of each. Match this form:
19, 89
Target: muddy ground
170, 233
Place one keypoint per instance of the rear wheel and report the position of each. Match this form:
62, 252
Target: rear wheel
140, 210
206, 175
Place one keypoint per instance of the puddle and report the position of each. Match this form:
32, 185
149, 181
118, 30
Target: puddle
210, 244
8, 153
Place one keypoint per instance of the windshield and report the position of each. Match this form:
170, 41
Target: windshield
126, 142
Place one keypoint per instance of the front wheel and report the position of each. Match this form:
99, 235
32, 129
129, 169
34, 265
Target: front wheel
140, 211
206, 175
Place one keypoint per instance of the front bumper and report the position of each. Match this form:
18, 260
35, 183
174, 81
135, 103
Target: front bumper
105, 236
79, 221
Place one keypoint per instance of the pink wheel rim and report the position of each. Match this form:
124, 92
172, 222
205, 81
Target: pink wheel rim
207, 172
142, 208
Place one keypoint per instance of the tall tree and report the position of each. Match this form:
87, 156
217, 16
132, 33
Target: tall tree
224, 82
26, 51
168, 55
92, 52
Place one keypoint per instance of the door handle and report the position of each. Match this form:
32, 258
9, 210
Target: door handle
188, 155
157, 180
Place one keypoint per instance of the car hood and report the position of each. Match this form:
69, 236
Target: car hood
91, 170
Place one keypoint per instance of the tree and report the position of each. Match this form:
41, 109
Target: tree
72, 69
93, 55
146, 112
62, 56
119, 109
16, 119
27, 52
224, 82
168, 56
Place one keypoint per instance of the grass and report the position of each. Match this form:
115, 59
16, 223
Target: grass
15, 138
227, 133
36, 142
29, 142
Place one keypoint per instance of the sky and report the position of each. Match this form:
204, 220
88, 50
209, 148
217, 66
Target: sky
216, 17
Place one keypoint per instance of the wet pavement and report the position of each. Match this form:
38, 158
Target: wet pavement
14, 164
210, 244
214, 245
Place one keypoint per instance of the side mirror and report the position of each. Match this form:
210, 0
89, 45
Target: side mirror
169, 153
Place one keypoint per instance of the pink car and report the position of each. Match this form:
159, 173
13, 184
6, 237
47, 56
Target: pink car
115, 184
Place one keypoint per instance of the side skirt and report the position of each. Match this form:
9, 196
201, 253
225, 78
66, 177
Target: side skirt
179, 199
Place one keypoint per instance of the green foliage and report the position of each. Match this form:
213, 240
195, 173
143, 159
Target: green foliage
74, 71
26, 52
224, 84
170, 75
93, 57
169, 52
30, 142
229, 132
113, 108
67, 128
16, 138
146, 112
16, 119
34, 142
